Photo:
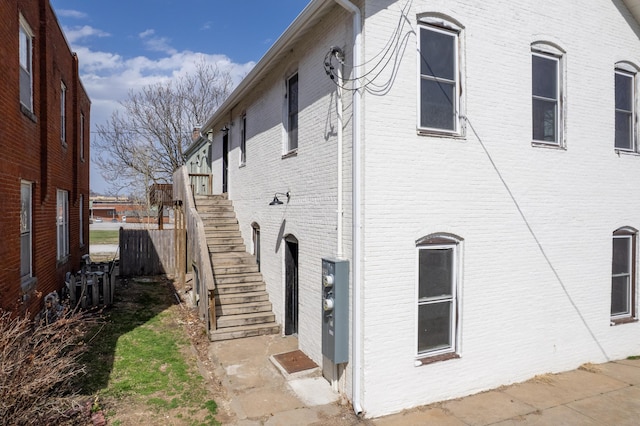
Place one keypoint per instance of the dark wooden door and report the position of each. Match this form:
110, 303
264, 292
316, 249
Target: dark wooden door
225, 162
291, 286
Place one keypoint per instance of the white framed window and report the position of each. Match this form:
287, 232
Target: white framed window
81, 219
82, 136
546, 91
255, 230
26, 235
625, 100
243, 140
623, 275
62, 224
26, 64
292, 113
437, 291
63, 112
439, 100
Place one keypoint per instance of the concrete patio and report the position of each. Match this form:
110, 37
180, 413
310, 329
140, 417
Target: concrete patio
256, 392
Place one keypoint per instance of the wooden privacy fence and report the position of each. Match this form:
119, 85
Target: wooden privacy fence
146, 252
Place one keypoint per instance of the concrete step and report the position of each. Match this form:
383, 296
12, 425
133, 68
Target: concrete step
235, 298
244, 331
243, 308
253, 277
240, 320
236, 288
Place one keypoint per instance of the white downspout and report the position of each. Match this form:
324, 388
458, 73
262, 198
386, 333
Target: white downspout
356, 357
339, 108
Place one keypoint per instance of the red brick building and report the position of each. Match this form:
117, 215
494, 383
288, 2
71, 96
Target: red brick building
44, 166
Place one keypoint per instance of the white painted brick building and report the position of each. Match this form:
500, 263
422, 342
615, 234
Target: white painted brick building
490, 179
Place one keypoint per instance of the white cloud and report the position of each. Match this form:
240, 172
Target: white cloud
108, 77
69, 13
147, 33
75, 34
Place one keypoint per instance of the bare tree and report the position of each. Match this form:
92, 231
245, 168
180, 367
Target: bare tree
145, 142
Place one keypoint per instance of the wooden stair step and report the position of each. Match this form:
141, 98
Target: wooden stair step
240, 288
244, 331
222, 270
235, 298
250, 277
243, 308
226, 321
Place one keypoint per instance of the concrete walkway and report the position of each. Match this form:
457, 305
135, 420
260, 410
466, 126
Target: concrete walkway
258, 393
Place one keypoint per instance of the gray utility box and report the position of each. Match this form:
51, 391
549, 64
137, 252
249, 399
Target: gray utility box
335, 310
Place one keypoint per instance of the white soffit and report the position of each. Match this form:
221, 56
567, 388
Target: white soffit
634, 8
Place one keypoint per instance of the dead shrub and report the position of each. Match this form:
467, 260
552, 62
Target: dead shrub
38, 365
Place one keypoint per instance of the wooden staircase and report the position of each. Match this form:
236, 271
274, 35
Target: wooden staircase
242, 303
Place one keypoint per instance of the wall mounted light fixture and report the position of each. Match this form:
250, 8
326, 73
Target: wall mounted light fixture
276, 201
225, 129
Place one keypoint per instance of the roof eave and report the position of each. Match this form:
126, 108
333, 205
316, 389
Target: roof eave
634, 8
263, 65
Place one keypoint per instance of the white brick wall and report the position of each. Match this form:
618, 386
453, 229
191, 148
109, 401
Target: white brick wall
516, 318
528, 305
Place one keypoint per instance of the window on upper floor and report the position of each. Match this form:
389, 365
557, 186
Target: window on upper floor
439, 95
243, 140
292, 113
625, 100
62, 224
26, 238
81, 220
438, 260
82, 130
26, 64
623, 275
63, 112
546, 90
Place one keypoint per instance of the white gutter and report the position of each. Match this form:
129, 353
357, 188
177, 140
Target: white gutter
356, 358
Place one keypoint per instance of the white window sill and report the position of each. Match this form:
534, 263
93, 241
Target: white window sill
292, 153
548, 145
435, 358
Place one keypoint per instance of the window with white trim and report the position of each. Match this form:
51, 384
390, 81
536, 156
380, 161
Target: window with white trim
437, 296
292, 113
81, 220
26, 238
439, 75
256, 242
625, 138
623, 275
26, 64
82, 136
546, 90
62, 224
63, 112
243, 140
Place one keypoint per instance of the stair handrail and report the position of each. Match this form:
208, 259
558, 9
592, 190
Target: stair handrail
197, 248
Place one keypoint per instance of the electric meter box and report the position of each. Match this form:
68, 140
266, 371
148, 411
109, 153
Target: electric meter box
335, 310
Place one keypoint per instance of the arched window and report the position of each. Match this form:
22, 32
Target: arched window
256, 242
625, 106
438, 264
547, 89
623, 275
439, 65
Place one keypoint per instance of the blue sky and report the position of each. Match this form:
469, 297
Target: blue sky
126, 44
